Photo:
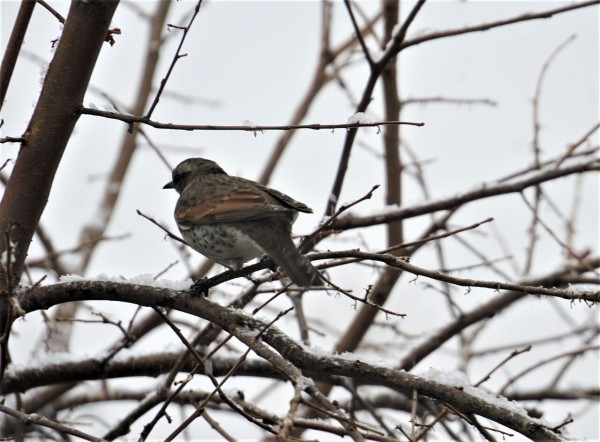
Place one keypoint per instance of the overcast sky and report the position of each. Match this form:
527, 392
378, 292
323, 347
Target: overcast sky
253, 61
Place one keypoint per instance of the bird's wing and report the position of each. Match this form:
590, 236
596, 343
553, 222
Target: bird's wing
244, 204
286, 200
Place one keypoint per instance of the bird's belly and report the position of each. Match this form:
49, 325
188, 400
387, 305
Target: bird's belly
223, 244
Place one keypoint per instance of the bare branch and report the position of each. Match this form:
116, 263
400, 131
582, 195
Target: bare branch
45, 422
9, 60
486, 191
496, 24
246, 128
176, 57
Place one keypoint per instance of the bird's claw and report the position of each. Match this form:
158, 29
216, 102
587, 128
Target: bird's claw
269, 263
199, 287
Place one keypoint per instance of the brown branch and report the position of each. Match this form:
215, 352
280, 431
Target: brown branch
486, 191
48, 423
52, 258
512, 355
447, 100
218, 386
387, 70
327, 56
407, 245
400, 263
565, 247
487, 310
358, 33
164, 229
533, 236
376, 71
496, 24
535, 342
364, 300
311, 240
176, 57
11, 54
52, 11
13, 139
577, 352
52, 255
145, 404
150, 364
273, 343
246, 128
391, 136
92, 233
527, 169
569, 394
576, 144
48, 132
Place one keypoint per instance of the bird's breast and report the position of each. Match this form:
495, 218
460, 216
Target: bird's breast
222, 243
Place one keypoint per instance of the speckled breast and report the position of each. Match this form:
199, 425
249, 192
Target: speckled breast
223, 244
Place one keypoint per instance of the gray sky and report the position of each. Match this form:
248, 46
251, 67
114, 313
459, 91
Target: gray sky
255, 61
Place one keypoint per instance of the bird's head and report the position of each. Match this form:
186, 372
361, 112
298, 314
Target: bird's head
190, 168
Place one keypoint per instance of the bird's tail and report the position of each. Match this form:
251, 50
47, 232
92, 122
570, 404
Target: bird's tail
296, 266
279, 246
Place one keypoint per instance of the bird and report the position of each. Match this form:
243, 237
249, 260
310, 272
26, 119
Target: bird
232, 220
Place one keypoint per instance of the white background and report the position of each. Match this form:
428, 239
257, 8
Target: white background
255, 60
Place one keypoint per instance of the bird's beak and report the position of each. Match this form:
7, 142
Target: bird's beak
169, 185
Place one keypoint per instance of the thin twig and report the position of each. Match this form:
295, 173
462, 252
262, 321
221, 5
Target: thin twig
358, 33
576, 144
496, 24
513, 354
48, 423
176, 57
533, 236
394, 261
576, 352
164, 229
52, 11
130, 119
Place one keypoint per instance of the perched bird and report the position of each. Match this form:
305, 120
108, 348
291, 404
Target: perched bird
232, 220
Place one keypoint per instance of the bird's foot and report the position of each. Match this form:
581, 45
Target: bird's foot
269, 263
199, 287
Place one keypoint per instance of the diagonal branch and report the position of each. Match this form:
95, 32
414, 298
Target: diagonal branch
92, 233
486, 191
496, 24
14, 46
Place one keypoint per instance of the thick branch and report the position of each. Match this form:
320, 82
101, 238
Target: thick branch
244, 327
49, 130
51, 126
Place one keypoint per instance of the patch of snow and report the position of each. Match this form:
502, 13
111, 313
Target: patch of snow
580, 289
390, 208
43, 72
460, 380
360, 117
146, 279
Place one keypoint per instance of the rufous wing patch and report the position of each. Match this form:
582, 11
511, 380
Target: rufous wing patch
239, 205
